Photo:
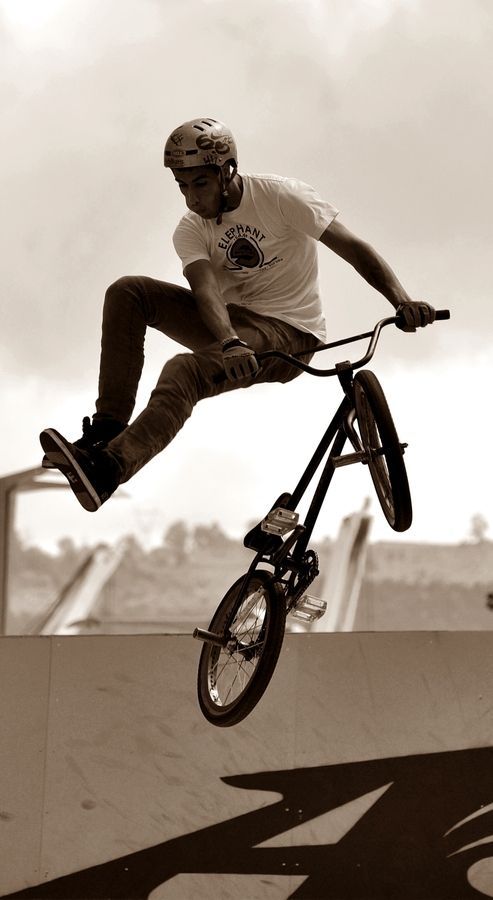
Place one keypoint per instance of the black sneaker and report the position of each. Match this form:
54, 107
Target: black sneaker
93, 476
95, 436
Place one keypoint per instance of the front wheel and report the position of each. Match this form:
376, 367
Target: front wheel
383, 451
233, 677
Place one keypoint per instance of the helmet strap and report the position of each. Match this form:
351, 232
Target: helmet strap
225, 181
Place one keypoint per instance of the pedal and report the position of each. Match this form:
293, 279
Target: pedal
309, 609
280, 521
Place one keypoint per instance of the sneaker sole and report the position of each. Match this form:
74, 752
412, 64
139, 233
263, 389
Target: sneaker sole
60, 457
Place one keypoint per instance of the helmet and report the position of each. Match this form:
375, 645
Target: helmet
200, 142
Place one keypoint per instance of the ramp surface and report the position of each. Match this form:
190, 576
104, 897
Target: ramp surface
366, 771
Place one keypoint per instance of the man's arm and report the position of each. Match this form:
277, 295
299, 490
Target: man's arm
210, 304
239, 359
373, 268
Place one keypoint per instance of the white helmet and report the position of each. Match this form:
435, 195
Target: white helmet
200, 142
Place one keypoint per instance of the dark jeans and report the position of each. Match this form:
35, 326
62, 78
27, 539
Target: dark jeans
134, 303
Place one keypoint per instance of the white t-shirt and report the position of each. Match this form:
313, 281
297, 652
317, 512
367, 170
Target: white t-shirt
264, 253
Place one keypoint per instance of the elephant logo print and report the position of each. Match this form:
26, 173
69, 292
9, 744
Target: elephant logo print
245, 253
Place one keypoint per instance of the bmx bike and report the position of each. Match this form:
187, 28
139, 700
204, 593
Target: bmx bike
242, 644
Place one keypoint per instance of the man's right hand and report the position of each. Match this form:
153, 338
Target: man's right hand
414, 314
239, 360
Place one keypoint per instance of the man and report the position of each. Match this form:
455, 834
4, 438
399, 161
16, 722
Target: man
248, 246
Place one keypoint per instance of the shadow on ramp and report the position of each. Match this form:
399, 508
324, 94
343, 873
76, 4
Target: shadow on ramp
413, 828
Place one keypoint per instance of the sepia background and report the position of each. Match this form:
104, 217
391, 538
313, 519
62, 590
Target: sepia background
385, 107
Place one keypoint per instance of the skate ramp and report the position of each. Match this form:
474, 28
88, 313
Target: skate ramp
364, 773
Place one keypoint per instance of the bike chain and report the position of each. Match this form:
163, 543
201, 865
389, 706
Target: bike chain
310, 560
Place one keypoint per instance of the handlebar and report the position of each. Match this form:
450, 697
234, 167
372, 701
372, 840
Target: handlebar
374, 335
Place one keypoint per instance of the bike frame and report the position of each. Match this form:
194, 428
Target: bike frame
335, 435
334, 438
281, 542
333, 441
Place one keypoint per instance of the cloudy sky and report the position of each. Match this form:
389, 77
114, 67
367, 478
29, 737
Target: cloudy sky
385, 106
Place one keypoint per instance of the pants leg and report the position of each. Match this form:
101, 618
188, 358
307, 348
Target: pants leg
132, 304
186, 378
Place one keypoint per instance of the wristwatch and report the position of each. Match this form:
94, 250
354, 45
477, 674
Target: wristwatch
232, 342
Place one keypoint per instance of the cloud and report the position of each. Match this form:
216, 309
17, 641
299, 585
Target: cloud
384, 106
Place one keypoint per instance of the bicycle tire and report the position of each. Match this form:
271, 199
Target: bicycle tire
384, 452
254, 615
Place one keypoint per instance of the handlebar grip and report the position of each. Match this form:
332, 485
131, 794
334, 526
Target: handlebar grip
442, 314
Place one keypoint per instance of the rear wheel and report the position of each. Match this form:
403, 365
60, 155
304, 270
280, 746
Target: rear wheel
383, 450
232, 678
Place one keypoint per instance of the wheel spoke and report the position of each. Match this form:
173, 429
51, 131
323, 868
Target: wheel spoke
226, 698
234, 666
234, 675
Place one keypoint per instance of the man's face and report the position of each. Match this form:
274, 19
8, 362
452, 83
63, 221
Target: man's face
201, 189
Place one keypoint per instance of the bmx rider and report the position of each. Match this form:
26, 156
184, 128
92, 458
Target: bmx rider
248, 246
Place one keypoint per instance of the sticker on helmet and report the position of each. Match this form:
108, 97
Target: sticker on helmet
177, 138
206, 142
